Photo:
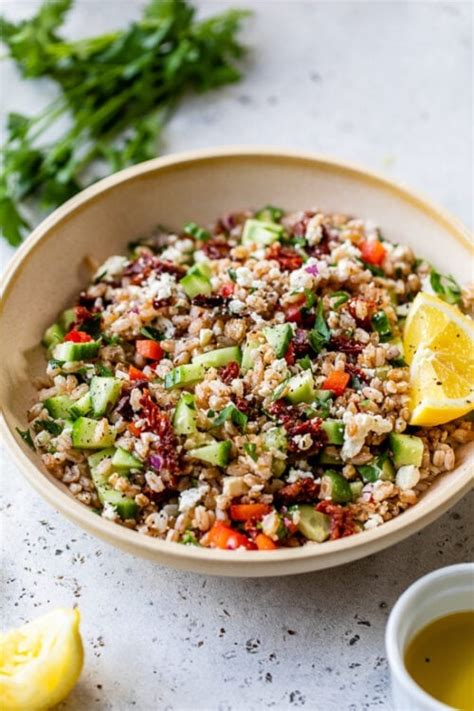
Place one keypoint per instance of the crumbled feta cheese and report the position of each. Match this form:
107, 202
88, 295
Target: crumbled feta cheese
234, 486
270, 525
407, 477
236, 306
296, 474
301, 279
360, 424
244, 276
373, 521
161, 288
303, 441
314, 231
190, 497
111, 267
109, 512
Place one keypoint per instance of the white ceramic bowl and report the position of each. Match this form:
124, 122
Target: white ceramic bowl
47, 273
438, 594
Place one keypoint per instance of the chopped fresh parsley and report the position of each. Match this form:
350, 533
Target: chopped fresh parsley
192, 229
26, 437
269, 213
446, 287
232, 274
152, 333
320, 333
232, 413
338, 298
189, 539
251, 449
49, 425
103, 371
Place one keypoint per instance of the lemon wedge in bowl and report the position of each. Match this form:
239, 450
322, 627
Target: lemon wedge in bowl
438, 341
40, 662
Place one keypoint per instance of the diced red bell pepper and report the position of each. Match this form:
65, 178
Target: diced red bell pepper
149, 349
133, 429
136, 373
227, 290
77, 336
293, 311
245, 512
265, 543
373, 251
337, 381
223, 536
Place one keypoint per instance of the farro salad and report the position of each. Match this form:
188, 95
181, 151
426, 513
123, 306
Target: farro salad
247, 385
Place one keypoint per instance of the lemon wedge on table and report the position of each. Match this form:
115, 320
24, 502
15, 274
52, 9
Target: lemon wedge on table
438, 341
40, 662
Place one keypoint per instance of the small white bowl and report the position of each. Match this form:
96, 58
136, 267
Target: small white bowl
436, 595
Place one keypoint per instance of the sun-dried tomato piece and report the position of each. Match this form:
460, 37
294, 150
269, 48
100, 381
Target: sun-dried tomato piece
229, 372
344, 344
311, 427
301, 343
301, 491
159, 423
216, 248
356, 372
342, 520
299, 228
370, 307
290, 355
210, 302
227, 290
322, 249
287, 257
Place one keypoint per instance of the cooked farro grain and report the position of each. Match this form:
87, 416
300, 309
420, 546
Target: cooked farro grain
243, 387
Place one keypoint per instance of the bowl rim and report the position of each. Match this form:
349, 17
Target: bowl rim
412, 520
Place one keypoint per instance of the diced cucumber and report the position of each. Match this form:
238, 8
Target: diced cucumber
194, 284
323, 395
279, 338
313, 524
407, 449
356, 488
219, 357
329, 455
59, 406
217, 453
184, 375
335, 487
248, 354
201, 268
276, 439
184, 419
82, 406
123, 460
380, 468
53, 335
301, 388
125, 505
334, 431
104, 392
66, 319
70, 351
92, 434
95, 459
261, 232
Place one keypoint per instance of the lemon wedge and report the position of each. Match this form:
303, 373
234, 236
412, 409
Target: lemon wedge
40, 662
438, 341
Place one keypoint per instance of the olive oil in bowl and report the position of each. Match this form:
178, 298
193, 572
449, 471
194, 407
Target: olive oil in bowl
440, 658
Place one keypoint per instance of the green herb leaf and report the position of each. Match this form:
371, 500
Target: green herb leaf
103, 371
446, 287
232, 274
381, 324
338, 298
320, 333
152, 333
269, 213
304, 362
232, 412
192, 229
54, 428
251, 449
26, 437
189, 539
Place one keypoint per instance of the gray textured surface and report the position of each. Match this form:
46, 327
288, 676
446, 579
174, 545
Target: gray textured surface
382, 83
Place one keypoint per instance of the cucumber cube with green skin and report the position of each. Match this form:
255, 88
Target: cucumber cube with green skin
335, 487
334, 431
196, 284
279, 337
301, 388
124, 505
248, 355
82, 406
407, 449
219, 357
356, 488
276, 439
53, 335
70, 351
217, 453
313, 524
123, 460
329, 455
184, 418
67, 319
261, 232
184, 375
59, 407
92, 434
201, 268
380, 468
95, 459
104, 392
323, 395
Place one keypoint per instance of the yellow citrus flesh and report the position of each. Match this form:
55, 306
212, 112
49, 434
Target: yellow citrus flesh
40, 662
439, 346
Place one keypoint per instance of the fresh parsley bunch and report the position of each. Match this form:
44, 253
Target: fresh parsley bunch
117, 88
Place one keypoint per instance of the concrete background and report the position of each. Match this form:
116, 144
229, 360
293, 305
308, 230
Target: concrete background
388, 84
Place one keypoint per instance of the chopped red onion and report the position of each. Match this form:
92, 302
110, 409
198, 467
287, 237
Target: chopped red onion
312, 269
156, 461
